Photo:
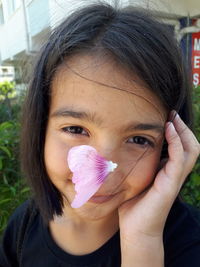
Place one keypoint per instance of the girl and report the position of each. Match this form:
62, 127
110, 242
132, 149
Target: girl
113, 80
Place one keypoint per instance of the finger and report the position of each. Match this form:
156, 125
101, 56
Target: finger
171, 177
175, 147
188, 139
180, 162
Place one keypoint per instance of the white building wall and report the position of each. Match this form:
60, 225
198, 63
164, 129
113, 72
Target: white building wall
20, 24
12, 34
37, 16
172, 7
193, 6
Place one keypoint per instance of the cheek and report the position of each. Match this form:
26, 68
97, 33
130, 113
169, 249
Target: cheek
55, 155
143, 173
132, 175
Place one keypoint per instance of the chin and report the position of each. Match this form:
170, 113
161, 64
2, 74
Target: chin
94, 209
95, 212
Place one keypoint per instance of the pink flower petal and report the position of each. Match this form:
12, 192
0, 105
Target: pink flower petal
89, 172
84, 194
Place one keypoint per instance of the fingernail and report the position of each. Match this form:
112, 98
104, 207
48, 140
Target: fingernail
177, 115
173, 115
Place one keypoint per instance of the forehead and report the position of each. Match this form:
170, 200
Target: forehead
101, 84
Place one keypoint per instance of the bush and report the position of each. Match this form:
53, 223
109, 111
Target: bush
191, 190
13, 190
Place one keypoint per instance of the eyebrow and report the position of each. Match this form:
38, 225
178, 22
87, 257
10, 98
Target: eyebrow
93, 118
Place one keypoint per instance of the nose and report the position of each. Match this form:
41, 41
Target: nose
107, 148
110, 147
110, 150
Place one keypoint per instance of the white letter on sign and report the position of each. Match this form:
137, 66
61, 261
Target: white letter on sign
196, 79
196, 62
197, 44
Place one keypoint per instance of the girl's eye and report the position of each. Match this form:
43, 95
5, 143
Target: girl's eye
140, 140
74, 130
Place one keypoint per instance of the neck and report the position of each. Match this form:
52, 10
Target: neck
72, 230
78, 224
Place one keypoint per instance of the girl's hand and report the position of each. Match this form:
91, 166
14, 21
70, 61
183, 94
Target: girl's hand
142, 218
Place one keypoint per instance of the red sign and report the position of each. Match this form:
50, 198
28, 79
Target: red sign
196, 58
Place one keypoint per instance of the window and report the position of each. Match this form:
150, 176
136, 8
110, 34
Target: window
4, 70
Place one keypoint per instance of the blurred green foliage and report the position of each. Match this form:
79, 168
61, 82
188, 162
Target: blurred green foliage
13, 189
191, 190
7, 89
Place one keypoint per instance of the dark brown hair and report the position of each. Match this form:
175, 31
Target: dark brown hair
136, 40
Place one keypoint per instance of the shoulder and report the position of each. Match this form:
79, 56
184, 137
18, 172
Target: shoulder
182, 235
16, 217
19, 211
185, 217
14, 232
22, 211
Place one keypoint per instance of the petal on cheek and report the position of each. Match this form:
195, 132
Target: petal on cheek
89, 172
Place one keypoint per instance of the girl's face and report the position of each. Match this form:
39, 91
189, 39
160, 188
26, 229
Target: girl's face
125, 126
